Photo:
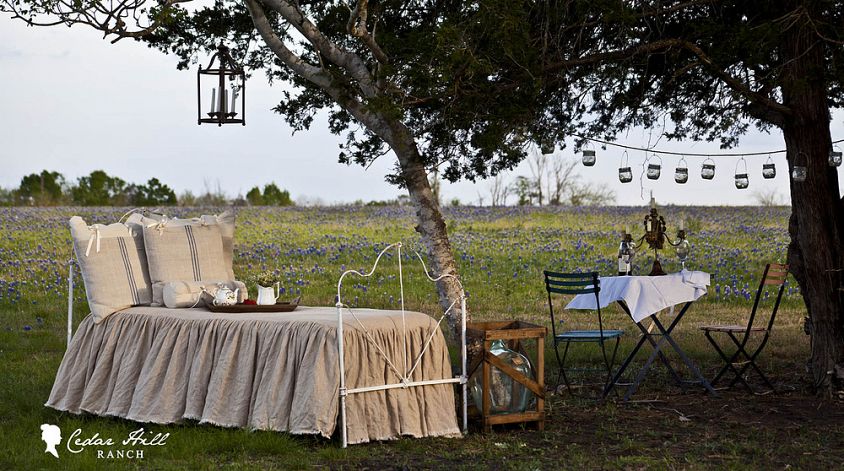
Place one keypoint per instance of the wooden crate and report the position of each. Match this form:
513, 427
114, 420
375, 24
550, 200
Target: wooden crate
515, 332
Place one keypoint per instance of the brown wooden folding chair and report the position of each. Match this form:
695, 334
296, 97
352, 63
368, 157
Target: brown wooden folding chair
774, 275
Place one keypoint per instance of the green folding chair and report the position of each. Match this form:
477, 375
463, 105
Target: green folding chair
579, 283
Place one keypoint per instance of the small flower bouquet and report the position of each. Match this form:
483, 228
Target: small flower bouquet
268, 287
266, 279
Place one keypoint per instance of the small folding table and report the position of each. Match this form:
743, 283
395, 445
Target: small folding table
643, 297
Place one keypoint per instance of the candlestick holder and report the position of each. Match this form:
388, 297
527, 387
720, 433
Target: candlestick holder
656, 236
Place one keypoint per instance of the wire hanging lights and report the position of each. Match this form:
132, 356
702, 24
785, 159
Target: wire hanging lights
707, 170
742, 181
799, 172
654, 170
835, 157
625, 173
681, 173
769, 170
589, 157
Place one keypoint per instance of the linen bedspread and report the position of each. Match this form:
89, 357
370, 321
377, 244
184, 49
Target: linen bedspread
267, 371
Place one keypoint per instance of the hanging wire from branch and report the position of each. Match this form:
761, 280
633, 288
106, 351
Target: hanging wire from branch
658, 151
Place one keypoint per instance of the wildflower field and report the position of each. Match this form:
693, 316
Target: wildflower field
501, 253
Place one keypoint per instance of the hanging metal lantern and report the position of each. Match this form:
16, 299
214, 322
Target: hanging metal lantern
742, 181
654, 170
769, 170
228, 84
835, 157
681, 173
588, 157
799, 172
707, 170
625, 173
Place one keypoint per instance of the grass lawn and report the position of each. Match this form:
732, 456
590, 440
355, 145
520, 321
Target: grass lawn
501, 253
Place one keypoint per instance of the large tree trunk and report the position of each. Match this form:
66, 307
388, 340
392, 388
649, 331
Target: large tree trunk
817, 220
430, 223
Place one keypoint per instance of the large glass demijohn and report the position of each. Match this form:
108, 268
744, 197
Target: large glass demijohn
507, 395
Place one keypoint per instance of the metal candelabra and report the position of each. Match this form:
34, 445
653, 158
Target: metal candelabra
656, 236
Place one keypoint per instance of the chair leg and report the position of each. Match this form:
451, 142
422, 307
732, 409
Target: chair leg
765, 379
559, 363
739, 374
728, 361
751, 363
562, 373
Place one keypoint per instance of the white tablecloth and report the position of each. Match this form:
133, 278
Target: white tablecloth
646, 295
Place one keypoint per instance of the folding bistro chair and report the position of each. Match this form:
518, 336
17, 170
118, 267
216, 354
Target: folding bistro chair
775, 275
579, 283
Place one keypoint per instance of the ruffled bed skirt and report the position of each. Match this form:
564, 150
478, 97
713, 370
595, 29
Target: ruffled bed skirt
267, 371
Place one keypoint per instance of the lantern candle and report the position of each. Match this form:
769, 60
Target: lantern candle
232, 107
213, 100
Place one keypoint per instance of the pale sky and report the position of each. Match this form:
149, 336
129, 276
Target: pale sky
74, 103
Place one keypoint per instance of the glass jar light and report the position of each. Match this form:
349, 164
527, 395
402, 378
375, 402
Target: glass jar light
835, 157
681, 173
654, 170
799, 172
625, 173
707, 170
588, 157
769, 170
742, 181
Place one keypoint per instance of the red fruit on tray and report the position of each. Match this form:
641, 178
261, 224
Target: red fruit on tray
250, 302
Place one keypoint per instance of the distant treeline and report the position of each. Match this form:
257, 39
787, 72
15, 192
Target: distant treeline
101, 189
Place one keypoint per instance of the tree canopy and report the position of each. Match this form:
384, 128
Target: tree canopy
271, 196
44, 189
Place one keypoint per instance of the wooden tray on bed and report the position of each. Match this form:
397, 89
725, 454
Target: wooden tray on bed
240, 308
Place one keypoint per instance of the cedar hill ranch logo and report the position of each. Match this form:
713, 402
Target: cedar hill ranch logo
131, 447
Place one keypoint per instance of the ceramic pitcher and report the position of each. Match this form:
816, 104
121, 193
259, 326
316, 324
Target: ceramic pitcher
268, 296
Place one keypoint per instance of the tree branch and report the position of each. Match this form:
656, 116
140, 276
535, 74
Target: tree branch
357, 28
310, 72
316, 75
349, 61
776, 110
108, 19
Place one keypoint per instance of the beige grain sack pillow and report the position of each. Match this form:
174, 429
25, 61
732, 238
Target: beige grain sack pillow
187, 294
224, 220
113, 266
184, 253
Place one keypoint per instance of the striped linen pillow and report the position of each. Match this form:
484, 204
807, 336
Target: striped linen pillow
225, 220
113, 264
183, 252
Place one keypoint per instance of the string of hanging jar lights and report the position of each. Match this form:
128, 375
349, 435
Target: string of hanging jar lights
707, 171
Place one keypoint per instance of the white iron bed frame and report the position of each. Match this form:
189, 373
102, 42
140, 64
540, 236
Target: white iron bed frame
407, 370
